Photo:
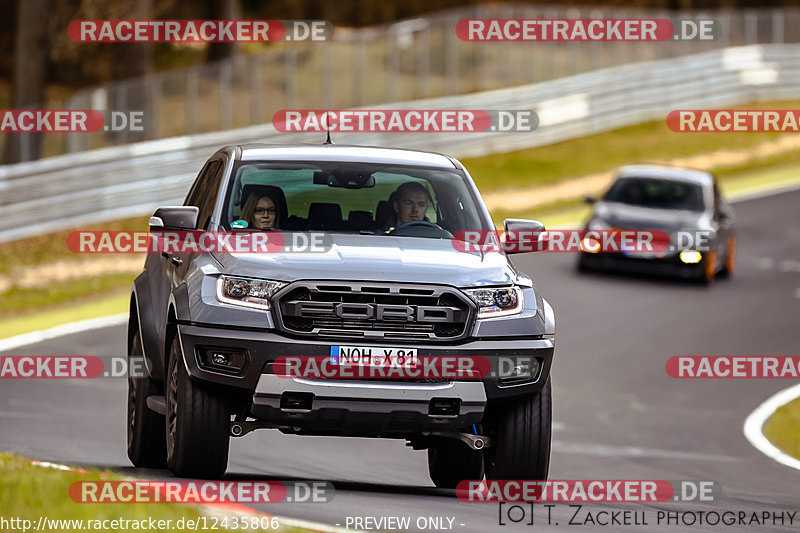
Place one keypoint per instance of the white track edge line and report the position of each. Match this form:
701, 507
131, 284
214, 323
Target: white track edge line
754, 425
61, 330
220, 510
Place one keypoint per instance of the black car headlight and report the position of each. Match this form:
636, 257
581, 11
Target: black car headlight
247, 292
494, 302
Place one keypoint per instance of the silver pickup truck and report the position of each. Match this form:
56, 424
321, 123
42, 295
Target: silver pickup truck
365, 274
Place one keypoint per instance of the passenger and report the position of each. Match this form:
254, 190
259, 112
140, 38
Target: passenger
634, 194
261, 211
410, 202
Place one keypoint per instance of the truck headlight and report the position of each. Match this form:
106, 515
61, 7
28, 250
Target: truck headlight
493, 302
247, 292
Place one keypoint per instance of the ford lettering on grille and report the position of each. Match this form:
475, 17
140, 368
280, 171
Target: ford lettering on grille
378, 311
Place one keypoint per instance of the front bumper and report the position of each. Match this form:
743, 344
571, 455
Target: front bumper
669, 265
261, 348
346, 407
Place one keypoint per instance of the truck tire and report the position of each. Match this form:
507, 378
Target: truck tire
197, 423
450, 461
145, 427
520, 433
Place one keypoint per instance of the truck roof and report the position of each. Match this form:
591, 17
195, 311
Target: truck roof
338, 152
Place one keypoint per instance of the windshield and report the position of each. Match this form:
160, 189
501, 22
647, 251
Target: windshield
351, 198
657, 193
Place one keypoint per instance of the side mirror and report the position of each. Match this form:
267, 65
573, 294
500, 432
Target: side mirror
590, 200
179, 217
523, 235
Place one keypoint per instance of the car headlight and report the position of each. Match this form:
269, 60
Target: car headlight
597, 224
493, 302
247, 292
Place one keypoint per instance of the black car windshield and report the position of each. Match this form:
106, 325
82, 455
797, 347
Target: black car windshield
352, 198
657, 193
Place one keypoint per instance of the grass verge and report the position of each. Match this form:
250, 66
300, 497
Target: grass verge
30, 492
783, 428
647, 141
18, 325
59, 295
52, 247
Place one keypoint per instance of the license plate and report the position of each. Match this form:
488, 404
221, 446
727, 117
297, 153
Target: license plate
390, 357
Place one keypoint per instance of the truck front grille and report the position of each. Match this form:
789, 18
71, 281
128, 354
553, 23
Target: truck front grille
375, 311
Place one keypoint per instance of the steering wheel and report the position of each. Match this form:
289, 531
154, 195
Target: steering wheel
421, 228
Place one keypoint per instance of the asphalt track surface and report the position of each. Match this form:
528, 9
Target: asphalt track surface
617, 414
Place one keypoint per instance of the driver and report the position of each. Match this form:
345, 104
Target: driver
410, 202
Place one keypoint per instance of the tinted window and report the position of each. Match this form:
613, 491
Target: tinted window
199, 189
209, 199
657, 193
348, 197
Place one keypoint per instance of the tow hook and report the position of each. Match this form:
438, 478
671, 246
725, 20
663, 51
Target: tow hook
476, 442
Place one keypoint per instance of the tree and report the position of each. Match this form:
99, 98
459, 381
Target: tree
31, 52
223, 10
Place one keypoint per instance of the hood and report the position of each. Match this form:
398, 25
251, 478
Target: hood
633, 217
378, 258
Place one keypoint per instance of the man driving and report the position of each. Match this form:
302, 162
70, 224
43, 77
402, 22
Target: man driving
410, 202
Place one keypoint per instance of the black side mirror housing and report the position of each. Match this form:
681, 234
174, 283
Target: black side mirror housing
179, 217
523, 235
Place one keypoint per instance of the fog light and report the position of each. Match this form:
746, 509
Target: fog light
691, 256
520, 369
222, 359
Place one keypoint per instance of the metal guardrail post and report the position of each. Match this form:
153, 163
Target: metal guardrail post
423, 61
327, 75
451, 48
154, 107
254, 71
290, 60
225, 95
393, 54
778, 22
359, 50
192, 83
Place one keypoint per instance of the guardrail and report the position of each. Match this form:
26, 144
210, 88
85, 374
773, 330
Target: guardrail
410, 59
130, 180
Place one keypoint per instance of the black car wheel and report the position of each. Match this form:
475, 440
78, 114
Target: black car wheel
520, 433
197, 423
450, 461
145, 427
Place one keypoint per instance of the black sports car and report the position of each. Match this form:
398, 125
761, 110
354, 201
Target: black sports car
686, 204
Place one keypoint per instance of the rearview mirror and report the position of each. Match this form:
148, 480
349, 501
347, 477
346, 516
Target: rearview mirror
180, 217
590, 200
